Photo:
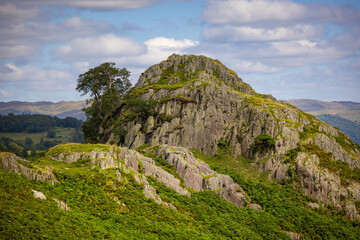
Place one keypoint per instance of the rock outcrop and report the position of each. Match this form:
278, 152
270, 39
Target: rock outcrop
201, 104
12, 163
194, 173
199, 176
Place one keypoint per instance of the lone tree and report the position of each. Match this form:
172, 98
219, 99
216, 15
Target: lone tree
105, 84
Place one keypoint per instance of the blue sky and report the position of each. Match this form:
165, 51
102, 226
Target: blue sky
288, 48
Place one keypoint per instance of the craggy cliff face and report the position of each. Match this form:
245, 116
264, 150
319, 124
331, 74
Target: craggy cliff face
198, 103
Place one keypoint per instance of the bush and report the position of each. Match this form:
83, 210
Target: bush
263, 143
51, 134
142, 108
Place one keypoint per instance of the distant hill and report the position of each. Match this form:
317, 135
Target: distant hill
60, 109
345, 109
349, 127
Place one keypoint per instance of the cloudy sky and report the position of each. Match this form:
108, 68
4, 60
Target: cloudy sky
288, 48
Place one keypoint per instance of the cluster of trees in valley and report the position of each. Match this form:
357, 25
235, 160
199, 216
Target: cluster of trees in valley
27, 135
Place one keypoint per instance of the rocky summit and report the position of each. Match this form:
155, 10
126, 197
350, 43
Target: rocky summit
201, 104
190, 152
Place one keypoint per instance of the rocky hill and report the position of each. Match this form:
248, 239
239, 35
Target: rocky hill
201, 104
191, 152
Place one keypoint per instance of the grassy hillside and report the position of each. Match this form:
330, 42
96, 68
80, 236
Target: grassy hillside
345, 109
60, 109
102, 207
63, 135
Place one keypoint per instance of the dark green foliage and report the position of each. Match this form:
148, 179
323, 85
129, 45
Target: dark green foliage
119, 130
263, 143
29, 144
223, 145
90, 127
35, 123
51, 134
291, 155
77, 137
142, 109
165, 118
308, 131
106, 84
349, 127
10, 145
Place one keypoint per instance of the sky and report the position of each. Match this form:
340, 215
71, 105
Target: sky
292, 49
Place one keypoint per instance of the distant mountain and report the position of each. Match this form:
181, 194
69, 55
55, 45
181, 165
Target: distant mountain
349, 127
60, 109
345, 109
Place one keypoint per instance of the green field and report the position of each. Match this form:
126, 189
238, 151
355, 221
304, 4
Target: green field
64, 135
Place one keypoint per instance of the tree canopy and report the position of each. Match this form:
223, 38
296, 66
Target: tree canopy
105, 84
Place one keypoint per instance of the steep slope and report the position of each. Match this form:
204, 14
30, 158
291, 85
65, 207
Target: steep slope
96, 191
196, 102
352, 129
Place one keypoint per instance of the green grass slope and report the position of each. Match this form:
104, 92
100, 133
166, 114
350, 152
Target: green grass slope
101, 207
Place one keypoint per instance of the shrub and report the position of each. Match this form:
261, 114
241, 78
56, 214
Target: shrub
263, 143
142, 108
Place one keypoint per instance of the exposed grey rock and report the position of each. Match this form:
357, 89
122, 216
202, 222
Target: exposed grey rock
214, 105
313, 205
294, 235
130, 160
199, 176
278, 170
256, 207
150, 192
118, 175
38, 194
351, 211
329, 144
325, 186
61, 204
12, 163
324, 127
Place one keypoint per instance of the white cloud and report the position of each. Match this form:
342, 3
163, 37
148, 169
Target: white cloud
158, 49
162, 43
265, 11
14, 51
43, 32
306, 48
34, 77
248, 33
23, 39
89, 4
104, 46
5, 94
244, 11
11, 14
258, 67
269, 35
